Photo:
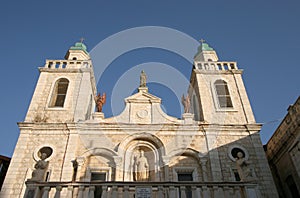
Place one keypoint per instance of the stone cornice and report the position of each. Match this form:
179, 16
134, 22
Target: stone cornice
237, 71
65, 70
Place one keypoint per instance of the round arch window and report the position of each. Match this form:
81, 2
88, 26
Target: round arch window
233, 150
47, 150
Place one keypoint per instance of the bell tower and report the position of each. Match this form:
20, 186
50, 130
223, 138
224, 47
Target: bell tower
217, 90
65, 89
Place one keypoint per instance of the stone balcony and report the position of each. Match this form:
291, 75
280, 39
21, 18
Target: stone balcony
141, 189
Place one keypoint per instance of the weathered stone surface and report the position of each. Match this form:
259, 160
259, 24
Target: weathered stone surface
201, 149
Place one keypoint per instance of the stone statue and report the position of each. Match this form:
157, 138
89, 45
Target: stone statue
243, 167
186, 103
143, 79
100, 101
142, 168
40, 169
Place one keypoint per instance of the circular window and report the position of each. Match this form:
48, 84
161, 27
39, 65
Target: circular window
47, 150
234, 152
235, 149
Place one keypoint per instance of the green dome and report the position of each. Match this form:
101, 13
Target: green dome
79, 46
205, 47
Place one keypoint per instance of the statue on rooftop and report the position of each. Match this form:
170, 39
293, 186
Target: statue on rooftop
186, 103
100, 101
143, 79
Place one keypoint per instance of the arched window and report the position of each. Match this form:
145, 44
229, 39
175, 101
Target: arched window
223, 94
59, 93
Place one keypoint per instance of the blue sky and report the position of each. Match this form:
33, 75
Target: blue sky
262, 36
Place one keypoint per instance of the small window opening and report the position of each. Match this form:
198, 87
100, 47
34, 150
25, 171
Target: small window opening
49, 64
219, 66
64, 65
199, 66
225, 66
59, 93
47, 178
74, 58
223, 94
185, 176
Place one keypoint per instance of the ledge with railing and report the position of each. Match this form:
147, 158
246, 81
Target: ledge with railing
140, 189
62, 64
216, 65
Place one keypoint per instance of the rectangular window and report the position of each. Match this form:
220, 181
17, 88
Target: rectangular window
185, 176
223, 94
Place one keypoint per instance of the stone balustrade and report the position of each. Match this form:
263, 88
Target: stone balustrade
216, 65
62, 64
132, 189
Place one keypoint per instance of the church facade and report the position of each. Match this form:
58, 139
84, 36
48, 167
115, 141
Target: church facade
66, 149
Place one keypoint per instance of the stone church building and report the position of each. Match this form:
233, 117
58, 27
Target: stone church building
67, 149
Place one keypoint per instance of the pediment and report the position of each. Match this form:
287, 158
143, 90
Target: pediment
143, 97
143, 108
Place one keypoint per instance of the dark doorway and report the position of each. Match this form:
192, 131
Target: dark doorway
185, 177
98, 177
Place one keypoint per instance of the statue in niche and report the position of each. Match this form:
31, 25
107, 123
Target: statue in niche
100, 101
143, 79
186, 103
40, 168
243, 167
141, 167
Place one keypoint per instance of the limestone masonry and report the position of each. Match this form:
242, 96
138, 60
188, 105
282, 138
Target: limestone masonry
66, 149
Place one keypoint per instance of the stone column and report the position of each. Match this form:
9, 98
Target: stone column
166, 161
58, 191
91, 191
118, 169
203, 161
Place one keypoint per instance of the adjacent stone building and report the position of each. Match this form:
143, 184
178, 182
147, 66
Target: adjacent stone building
4, 163
283, 153
67, 149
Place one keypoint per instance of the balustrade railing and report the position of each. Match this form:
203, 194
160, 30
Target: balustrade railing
216, 65
62, 64
140, 189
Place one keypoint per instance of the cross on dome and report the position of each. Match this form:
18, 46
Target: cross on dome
202, 41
